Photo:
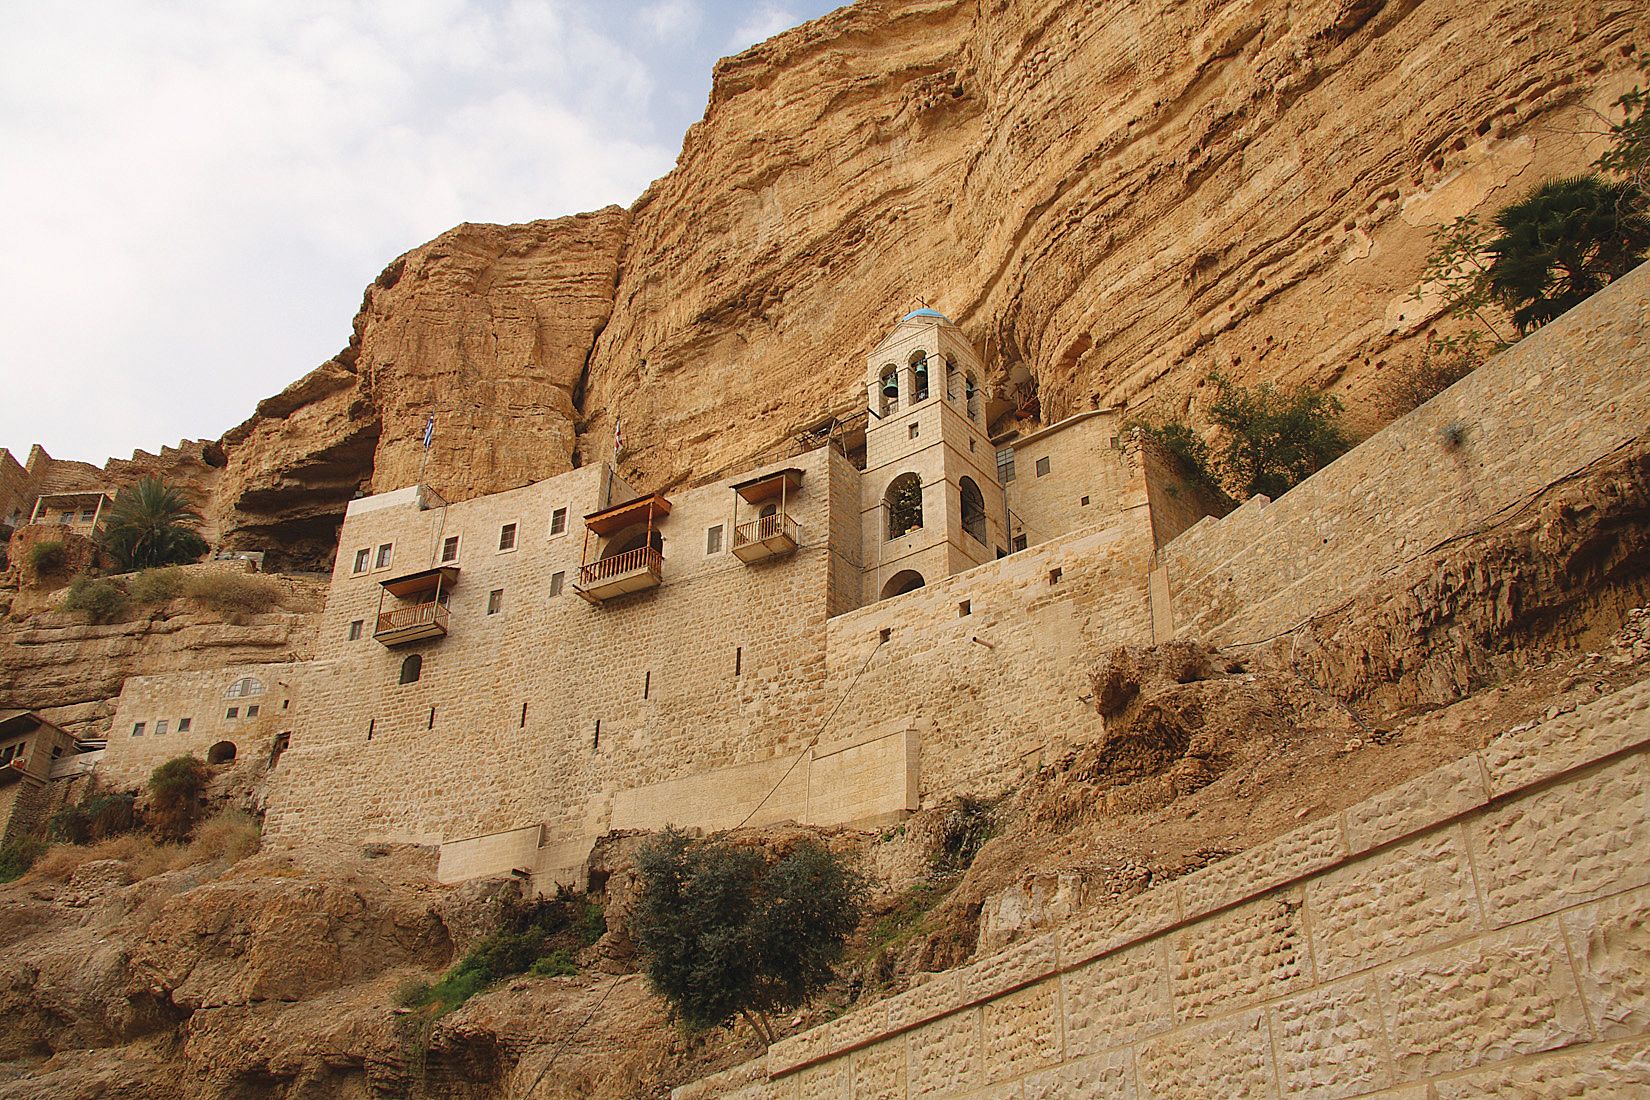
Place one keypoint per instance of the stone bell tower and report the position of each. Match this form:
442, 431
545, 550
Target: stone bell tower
930, 503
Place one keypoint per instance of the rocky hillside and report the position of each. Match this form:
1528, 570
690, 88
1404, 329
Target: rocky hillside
1112, 200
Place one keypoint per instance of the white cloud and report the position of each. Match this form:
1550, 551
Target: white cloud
181, 193
767, 20
672, 20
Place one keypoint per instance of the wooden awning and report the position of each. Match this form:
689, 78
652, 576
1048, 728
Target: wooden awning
426, 580
617, 518
758, 489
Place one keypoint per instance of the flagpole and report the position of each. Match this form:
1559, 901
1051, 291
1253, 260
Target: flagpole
424, 458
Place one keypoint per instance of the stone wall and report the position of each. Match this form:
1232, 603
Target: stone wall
1551, 405
998, 658
1083, 464
201, 699
544, 711
1479, 930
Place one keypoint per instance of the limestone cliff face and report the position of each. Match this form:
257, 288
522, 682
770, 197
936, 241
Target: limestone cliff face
1112, 199
487, 328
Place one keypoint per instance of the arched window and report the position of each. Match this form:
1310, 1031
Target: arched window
972, 393
888, 390
906, 580
903, 500
919, 377
973, 509
246, 685
412, 668
221, 753
953, 382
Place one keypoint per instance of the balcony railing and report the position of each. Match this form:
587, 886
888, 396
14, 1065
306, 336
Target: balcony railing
767, 537
631, 571
412, 622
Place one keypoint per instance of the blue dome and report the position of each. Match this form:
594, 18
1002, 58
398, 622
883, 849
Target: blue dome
926, 312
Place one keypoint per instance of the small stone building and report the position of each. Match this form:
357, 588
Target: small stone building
29, 748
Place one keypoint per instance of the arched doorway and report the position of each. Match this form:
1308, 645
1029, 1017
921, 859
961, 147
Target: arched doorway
903, 503
906, 580
221, 753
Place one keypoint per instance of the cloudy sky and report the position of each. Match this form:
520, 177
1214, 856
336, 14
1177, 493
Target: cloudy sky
194, 194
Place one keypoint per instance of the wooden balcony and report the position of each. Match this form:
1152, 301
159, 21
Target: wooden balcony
767, 537
621, 574
411, 622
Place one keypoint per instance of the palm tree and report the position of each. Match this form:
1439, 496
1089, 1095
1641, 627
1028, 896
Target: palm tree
152, 523
1564, 243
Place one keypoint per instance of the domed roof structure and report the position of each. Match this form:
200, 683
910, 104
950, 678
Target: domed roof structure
925, 312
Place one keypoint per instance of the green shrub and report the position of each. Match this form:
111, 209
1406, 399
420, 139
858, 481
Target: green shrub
728, 930
1274, 439
156, 585
963, 832
101, 598
175, 790
538, 939
18, 856
93, 819
49, 557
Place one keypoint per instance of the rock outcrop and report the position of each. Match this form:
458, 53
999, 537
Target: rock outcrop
486, 328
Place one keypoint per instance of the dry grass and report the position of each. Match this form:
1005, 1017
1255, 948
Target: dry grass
231, 835
234, 594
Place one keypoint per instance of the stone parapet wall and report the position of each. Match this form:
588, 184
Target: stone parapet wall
1546, 408
1483, 929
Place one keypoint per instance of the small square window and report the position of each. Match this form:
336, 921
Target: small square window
88, 515
1019, 543
965, 608
713, 540
507, 537
68, 517
138, 728
361, 559
1054, 575
383, 559
232, 712
556, 581
558, 521
495, 601
1042, 466
1084, 502
161, 727
449, 548
252, 711
355, 629
911, 432
184, 724
885, 633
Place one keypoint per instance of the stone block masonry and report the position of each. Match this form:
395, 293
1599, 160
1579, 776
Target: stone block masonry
1546, 408
178, 713
1481, 930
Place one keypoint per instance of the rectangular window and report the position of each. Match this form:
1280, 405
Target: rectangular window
184, 724
449, 548
355, 629
556, 581
507, 537
495, 601
1042, 466
558, 521
713, 540
384, 555
361, 559
252, 711
160, 727
1005, 464
1019, 543
88, 515
911, 432
232, 712
138, 728
68, 517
